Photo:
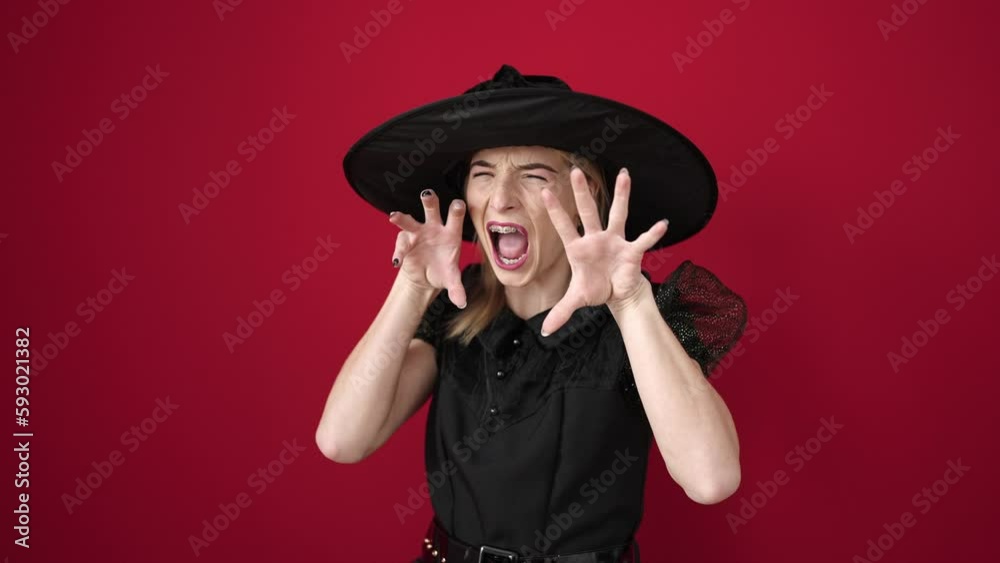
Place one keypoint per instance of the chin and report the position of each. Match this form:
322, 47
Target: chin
513, 278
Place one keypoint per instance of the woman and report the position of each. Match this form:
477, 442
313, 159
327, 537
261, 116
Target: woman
552, 364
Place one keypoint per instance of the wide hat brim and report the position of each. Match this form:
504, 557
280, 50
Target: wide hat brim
430, 146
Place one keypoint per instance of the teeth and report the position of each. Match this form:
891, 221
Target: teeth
505, 229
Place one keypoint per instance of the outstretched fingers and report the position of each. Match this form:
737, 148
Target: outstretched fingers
561, 313
404, 221
585, 204
560, 220
456, 290
404, 242
619, 205
432, 207
456, 217
646, 240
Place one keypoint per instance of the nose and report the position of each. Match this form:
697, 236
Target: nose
504, 197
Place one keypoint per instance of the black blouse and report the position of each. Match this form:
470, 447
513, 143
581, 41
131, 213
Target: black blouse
540, 445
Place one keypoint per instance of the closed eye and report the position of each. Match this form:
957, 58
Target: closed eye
535, 176
481, 173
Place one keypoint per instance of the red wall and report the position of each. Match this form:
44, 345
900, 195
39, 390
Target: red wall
113, 216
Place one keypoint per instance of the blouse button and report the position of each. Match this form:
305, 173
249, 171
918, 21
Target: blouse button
494, 411
500, 374
516, 342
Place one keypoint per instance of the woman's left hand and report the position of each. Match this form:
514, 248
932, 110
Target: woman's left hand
606, 267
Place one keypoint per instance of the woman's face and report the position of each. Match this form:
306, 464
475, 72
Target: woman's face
503, 195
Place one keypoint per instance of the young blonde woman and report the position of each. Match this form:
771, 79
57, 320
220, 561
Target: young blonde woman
553, 363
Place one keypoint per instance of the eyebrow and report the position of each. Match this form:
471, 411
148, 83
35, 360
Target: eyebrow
528, 166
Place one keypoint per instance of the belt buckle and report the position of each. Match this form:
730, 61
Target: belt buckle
489, 554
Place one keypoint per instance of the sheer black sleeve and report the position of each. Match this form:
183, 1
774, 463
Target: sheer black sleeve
707, 317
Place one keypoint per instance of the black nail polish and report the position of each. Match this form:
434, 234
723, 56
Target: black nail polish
395, 262
426, 193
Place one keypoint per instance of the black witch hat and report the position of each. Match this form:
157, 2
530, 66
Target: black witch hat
429, 147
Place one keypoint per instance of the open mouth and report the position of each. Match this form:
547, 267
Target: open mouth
510, 244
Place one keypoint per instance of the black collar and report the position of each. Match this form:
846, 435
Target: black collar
507, 327
499, 336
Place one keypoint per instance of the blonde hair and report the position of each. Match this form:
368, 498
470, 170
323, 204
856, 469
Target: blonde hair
487, 297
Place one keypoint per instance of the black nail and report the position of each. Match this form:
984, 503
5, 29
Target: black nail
395, 262
426, 193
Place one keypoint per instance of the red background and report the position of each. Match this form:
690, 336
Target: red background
825, 356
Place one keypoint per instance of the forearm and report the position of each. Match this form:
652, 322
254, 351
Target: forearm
693, 428
362, 395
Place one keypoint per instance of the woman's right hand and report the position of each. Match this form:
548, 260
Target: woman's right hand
427, 253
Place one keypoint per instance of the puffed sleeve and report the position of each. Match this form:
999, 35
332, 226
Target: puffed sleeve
707, 317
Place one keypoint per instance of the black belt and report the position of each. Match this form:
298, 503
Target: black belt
439, 547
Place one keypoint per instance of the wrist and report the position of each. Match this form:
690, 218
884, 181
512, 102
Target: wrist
633, 300
414, 291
